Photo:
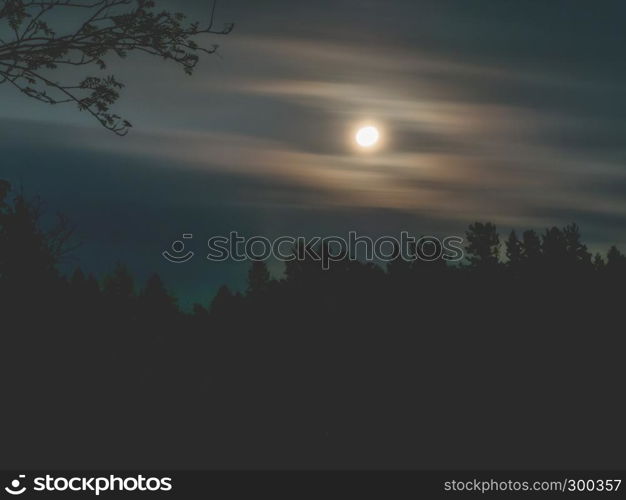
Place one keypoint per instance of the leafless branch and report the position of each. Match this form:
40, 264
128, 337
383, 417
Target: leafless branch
109, 27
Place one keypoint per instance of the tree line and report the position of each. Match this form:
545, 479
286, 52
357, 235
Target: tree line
411, 361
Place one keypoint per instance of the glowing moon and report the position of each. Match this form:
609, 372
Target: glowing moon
367, 137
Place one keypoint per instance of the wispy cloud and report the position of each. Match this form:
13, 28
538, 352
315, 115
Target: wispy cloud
477, 122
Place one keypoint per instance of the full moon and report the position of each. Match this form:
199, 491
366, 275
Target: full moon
367, 137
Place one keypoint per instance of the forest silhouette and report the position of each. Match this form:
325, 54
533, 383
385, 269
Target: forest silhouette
500, 362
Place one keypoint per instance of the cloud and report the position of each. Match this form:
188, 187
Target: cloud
504, 111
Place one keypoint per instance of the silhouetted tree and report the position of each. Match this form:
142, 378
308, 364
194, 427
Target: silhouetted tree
156, 301
531, 247
302, 266
577, 253
118, 290
43, 41
616, 261
554, 247
29, 253
598, 263
513, 250
258, 278
483, 245
223, 303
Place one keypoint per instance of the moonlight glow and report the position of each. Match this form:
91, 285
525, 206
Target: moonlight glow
367, 137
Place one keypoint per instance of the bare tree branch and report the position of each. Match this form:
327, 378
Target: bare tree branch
109, 27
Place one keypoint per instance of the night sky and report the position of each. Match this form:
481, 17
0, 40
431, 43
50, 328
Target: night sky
502, 110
